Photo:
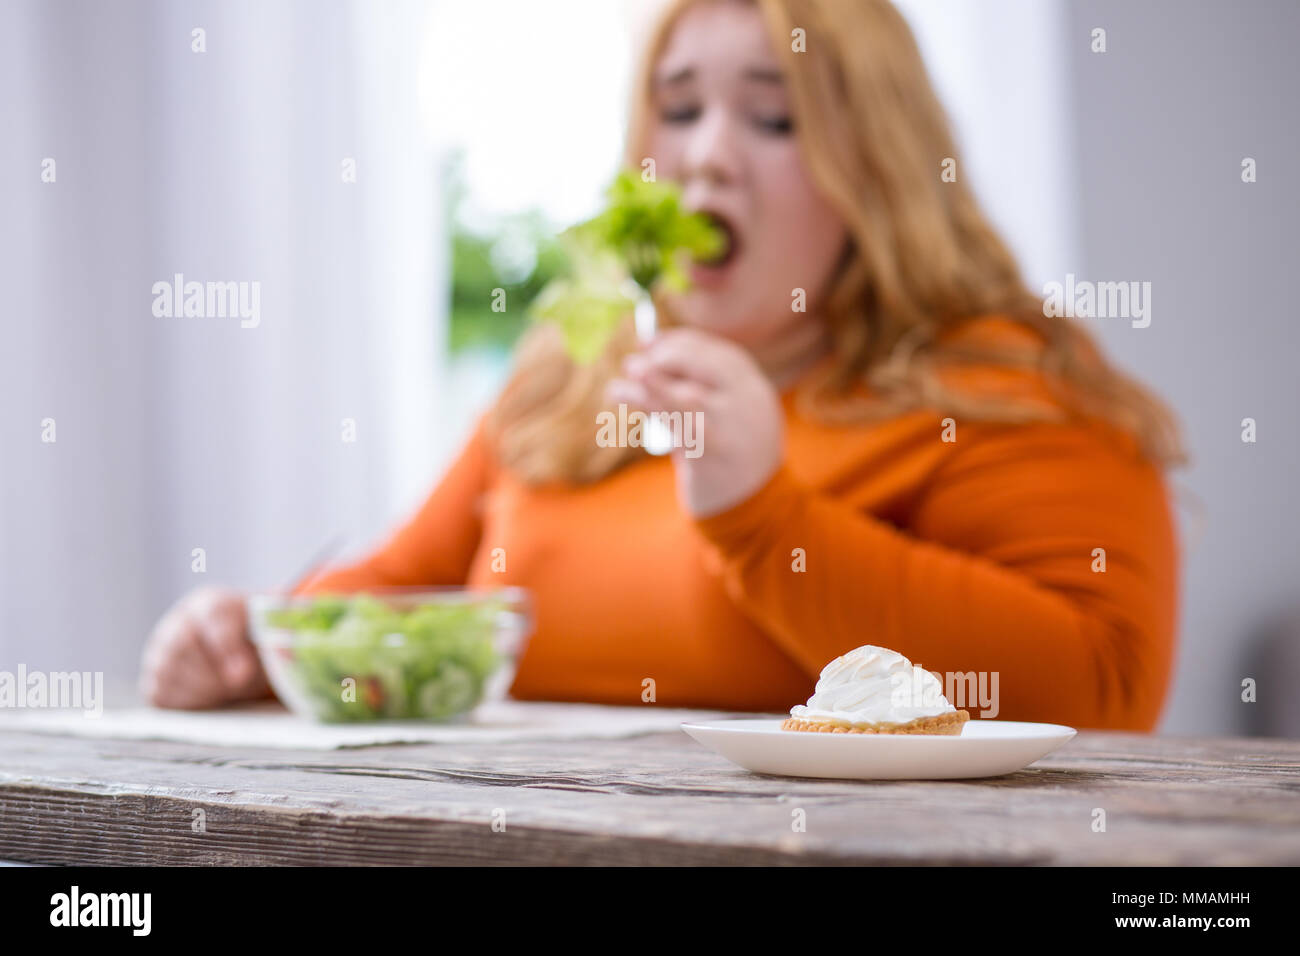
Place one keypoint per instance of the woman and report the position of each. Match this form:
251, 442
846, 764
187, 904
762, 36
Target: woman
899, 448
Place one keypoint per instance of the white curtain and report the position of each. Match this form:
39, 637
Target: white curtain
174, 434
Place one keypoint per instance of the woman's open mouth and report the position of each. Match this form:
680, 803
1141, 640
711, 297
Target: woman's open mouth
703, 269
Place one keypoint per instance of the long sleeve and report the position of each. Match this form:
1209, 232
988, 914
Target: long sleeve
437, 544
995, 571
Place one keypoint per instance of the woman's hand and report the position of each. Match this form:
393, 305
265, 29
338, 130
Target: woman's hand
740, 422
199, 654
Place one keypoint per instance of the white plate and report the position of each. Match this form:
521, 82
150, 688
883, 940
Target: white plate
985, 748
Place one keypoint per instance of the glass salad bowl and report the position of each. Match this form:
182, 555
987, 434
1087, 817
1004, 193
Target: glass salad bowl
431, 654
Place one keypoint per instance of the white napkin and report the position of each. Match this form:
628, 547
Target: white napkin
268, 724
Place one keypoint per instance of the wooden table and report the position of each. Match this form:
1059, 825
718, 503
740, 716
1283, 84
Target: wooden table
659, 799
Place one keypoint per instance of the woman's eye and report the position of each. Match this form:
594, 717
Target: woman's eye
777, 125
680, 114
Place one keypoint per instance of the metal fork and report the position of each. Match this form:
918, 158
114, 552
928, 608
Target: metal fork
643, 264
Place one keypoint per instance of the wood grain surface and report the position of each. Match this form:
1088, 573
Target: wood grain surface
654, 800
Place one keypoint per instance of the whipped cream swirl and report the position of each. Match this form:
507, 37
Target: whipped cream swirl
874, 685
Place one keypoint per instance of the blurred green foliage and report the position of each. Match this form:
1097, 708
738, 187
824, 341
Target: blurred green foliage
518, 254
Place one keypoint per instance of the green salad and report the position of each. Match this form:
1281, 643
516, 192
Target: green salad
644, 236
359, 658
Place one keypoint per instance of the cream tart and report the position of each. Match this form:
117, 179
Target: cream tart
873, 690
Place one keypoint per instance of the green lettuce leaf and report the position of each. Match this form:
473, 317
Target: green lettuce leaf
588, 304
644, 234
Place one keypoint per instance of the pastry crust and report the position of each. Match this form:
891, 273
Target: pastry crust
946, 724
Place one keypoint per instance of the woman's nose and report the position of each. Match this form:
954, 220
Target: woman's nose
710, 151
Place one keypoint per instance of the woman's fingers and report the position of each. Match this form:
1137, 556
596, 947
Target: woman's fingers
179, 671
668, 393
627, 392
657, 392
681, 353
198, 681
199, 654
224, 630
697, 375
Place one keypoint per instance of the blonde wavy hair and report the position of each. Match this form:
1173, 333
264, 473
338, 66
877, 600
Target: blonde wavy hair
921, 260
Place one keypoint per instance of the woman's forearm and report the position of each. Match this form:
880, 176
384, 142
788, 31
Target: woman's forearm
1018, 594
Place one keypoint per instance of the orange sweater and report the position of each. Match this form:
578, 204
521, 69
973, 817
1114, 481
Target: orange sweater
968, 555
